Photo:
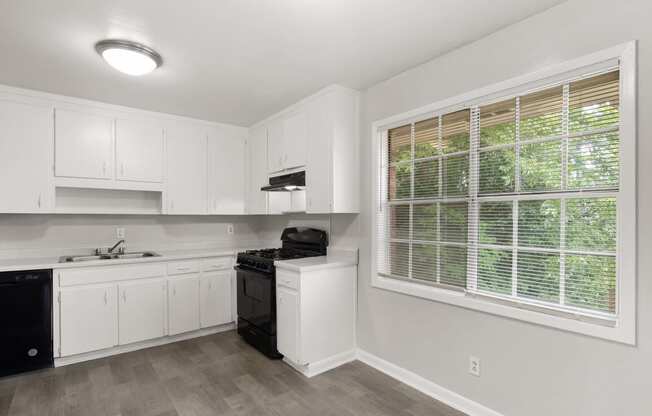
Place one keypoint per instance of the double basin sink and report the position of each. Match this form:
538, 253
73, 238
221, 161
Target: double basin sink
110, 256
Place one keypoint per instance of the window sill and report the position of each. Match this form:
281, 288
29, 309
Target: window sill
622, 332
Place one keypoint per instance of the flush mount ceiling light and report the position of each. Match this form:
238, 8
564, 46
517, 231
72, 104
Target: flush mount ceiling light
129, 57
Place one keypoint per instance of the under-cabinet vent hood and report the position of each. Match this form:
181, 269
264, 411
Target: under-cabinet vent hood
286, 183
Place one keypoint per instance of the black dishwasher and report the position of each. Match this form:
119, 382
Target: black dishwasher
25, 321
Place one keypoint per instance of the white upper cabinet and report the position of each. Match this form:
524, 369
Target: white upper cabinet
257, 170
83, 145
226, 172
319, 134
139, 150
275, 146
25, 157
186, 169
333, 167
294, 140
319, 192
287, 142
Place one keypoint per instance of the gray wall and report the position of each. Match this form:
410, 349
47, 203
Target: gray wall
526, 369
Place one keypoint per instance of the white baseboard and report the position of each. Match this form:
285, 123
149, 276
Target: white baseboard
426, 386
316, 368
121, 349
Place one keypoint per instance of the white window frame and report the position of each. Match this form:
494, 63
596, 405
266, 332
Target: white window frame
623, 329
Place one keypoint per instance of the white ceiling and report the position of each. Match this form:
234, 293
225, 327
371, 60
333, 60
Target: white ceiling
236, 61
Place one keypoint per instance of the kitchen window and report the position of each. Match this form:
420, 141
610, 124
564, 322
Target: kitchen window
518, 202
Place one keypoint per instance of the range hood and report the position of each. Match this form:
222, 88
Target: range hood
286, 183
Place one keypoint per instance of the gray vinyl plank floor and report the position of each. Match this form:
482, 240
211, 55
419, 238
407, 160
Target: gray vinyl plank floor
213, 375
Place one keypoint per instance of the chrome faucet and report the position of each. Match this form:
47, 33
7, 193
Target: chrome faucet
121, 250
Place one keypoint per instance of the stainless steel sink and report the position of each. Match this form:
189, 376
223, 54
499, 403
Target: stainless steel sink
117, 256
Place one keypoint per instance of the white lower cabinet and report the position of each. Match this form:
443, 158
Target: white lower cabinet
183, 301
102, 307
89, 318
215, 298
315, 317
142, 307
288, 323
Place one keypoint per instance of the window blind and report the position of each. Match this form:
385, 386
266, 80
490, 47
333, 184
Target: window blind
514, 199
423, 224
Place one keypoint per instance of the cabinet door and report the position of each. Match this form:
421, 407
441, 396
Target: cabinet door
257, 170
89, 319
139, 150
83, 145
25, 157
275, 146
183, 303
186, 167
226, 174
141, 307
294, 140
318, 168
215, 298
287, 323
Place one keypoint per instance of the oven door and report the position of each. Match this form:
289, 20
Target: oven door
257, 298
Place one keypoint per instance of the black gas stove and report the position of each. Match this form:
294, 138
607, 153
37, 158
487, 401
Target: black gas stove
264, 259
256, 284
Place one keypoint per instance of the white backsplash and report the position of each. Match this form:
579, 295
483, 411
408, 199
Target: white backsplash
25, 236
55, 235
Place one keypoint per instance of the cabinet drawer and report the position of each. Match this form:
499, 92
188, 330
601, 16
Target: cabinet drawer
183, 267
290, 280
216, 263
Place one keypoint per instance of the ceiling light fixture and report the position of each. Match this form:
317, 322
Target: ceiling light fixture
129, 57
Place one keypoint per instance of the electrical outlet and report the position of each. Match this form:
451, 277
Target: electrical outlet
229, 229
120, 233
474, 366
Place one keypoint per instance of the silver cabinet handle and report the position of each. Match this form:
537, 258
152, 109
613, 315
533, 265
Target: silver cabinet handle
174, 291
38, 203
106, 297
210, 285
183, 269
124, 295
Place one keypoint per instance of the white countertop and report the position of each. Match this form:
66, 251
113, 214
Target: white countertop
35, 263
335, 258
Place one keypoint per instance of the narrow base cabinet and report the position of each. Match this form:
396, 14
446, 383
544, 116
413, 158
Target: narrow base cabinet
215, 298
316, 317
104, 310
142, 310
183, 300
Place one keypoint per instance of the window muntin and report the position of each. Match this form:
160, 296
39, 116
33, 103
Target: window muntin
540, 223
